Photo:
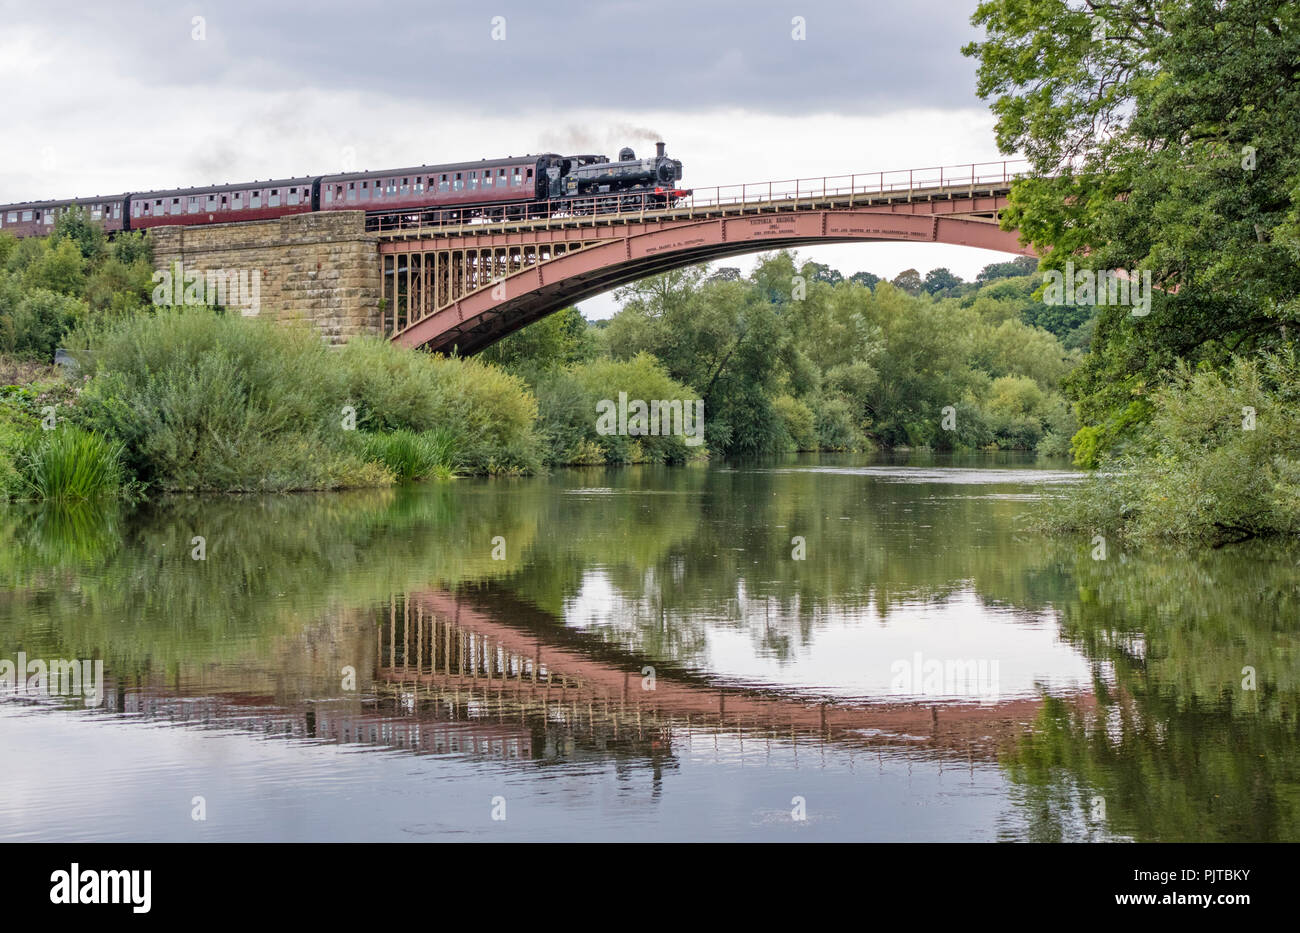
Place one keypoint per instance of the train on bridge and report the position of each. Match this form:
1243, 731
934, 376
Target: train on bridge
544, 185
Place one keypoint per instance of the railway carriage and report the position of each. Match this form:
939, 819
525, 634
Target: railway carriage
36, 218
490, 189
220, 204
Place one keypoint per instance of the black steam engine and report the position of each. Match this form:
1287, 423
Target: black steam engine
592, 175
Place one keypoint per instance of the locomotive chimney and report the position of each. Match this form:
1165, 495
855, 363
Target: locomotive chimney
659, 150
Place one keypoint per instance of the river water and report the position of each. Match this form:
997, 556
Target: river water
821, 647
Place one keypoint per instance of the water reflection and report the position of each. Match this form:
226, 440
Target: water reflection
1116, 711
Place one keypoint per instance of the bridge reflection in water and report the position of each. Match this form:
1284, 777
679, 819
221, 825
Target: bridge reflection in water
474, 676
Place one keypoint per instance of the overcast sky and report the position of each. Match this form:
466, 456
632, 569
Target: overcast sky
132, 95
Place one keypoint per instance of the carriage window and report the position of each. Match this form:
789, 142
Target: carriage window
135, 209
237, 203
406, 185
49, 218
365, 191
473, 181
117, 211
518, 177
419, 184
194, 205
223, 202
274, 199
255, 199
13, 217
293, 196
460, 182
442, 183
27, 215
487, 179
329, 195
352, 191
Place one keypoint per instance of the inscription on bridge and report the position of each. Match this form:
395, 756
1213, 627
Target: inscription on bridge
668, 247
767, 226
914, 228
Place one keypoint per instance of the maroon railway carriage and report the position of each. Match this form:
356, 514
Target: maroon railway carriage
36, 218
217, 204
490, 188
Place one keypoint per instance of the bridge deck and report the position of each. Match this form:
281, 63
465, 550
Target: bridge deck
706, 209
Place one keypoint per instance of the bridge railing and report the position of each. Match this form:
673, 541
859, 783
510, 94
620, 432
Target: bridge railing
755, 195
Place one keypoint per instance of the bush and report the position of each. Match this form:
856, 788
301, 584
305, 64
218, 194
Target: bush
799, 422
566, 413
489, 413
206, 401
836, 429
38, 323
1201, 470
60, 268
203, 401
641, 378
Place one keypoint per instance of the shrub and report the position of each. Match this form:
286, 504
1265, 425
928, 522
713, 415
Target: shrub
489, 413
1202, 470
217, 402
641, 378
836, 429
566, 413
799, 421
39, 324
207, 401
61, 268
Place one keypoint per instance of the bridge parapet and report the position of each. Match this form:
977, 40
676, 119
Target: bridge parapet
830, 192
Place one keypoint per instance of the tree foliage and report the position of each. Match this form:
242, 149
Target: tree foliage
1161, 136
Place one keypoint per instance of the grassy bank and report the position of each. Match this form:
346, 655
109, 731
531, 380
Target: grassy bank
203, 401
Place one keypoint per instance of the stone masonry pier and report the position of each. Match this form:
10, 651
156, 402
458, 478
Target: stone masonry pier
317, 267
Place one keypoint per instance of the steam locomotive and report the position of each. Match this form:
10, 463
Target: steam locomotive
490, 189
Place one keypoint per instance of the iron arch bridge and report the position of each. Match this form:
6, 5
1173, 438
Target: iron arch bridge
450, 285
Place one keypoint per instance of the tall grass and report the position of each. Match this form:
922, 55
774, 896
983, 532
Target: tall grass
72, 464
411, 455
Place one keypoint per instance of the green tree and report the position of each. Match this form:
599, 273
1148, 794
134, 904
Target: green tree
910, 281
551, 343
941, 281
1161, 136
61, 268
75, 224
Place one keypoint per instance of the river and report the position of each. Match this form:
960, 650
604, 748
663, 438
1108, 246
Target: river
825, 647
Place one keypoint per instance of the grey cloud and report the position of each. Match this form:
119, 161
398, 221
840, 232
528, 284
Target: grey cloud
859, 57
